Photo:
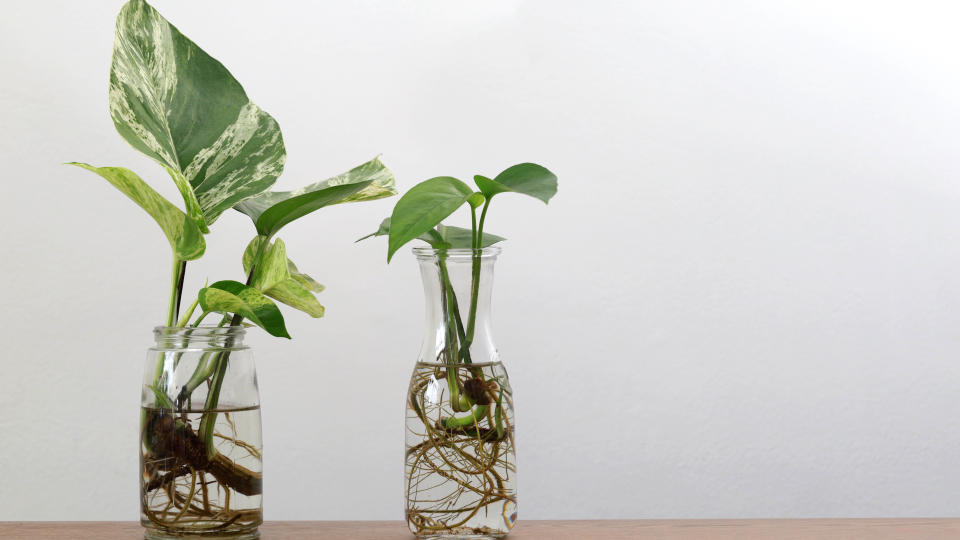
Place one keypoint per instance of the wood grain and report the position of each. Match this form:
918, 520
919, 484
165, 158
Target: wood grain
763, 529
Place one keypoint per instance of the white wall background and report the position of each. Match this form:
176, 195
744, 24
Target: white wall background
744, 301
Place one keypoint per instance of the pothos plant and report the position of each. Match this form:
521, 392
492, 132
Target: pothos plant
175, 103
418, 215
460, 464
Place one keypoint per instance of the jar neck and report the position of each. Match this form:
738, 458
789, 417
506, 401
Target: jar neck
172, 337
458, 285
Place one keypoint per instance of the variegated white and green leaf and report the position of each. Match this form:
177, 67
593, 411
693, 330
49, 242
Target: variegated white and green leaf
295, 295
270, 211
277, 277
184, 235
271, 263
229, 296
178, 105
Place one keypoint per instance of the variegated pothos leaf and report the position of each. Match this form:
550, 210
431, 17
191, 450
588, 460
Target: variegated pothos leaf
229, 296
184, 235
178, 105
277, 277
272, 210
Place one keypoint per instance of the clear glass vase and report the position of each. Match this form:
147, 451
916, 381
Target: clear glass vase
460, 470
200, 440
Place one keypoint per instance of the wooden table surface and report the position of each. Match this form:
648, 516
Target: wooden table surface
773, 529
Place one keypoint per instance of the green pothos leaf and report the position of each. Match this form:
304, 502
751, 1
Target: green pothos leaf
277, 277
526, 178
443, 237
423, 208
178, 105
184, 235
234, 297
272, 210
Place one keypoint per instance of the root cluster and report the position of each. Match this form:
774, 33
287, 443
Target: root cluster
457, 475
185, 490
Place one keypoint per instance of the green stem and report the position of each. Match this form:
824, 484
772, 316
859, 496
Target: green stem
201, 318
176, 287
450, 315
469, 420
483, 217
454, 312
209, 419
204, 369
189, 313
475, 274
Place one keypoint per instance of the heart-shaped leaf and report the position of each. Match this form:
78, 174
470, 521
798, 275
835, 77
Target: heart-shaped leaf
527, 178
234, 297
176, 104
277, 277
423, 208
272, 210
184, 235
443, 237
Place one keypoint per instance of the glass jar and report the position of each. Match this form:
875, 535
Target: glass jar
200, 440
460, 468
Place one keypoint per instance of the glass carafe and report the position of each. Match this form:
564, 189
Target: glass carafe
460, 468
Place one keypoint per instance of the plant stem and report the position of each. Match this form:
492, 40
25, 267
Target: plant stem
475, 275
176, 287
476, 253
209, 418
483, 217
200, 318
182, 271
208, 421
202, 372
471, 419
189, 313
450, 315
454, 311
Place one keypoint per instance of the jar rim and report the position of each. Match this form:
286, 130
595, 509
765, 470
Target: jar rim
456, 254
201, 331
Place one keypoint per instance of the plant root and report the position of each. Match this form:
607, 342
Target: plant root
455, 474
171, 439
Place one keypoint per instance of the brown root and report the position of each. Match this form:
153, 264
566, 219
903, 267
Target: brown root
459, 477
173, 440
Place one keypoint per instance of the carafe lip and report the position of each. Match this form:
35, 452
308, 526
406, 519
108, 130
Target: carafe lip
459, 254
